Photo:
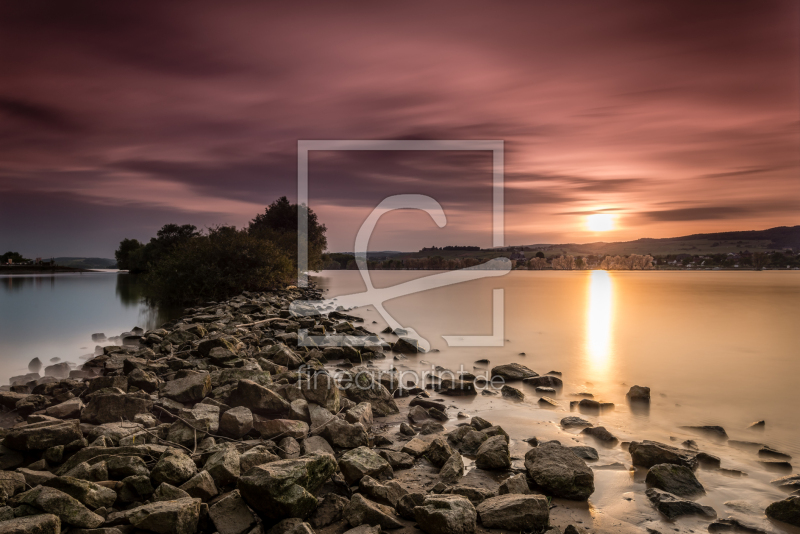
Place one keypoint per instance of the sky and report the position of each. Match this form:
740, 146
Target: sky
670, 117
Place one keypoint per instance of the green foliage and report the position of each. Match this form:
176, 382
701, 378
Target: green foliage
278, 224
15, 257
217, 266
127, 248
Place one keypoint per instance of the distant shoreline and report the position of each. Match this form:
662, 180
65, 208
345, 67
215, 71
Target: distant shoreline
33, 269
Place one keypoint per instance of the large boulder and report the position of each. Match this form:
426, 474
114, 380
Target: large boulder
515, 512
446, 514
41, 436
88, 493
190, 389
362, 387
438, 452
111, 407
649, 453
493, 453
559, 471
363, 461
167, 517
286, 488
70, 409
32, 524
673, 506
362, 511
639, 394
513, 371
675, 479
787, 510
52, 501
236, 422
322, 389
452, 470
258, 399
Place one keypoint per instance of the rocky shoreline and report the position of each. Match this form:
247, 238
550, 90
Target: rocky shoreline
250, 417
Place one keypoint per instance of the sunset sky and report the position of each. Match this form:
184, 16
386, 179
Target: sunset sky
673, 117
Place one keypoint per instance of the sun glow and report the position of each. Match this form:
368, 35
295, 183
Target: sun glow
600, 222
599, 321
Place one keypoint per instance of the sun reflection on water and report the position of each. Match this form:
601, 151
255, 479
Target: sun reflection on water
599, 322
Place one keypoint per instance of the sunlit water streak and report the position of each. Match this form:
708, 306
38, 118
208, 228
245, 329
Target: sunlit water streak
599, 323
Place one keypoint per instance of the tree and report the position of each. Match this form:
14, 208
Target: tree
564, 263
127, 247
760, 260
278, 224
537, 263
540, 254
15, 257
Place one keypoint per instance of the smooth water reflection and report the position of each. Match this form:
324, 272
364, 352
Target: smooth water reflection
599, 322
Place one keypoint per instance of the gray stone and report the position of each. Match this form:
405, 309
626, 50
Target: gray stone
329, 511
675, 479
513, 371
493, 454
120, 467
322, 389
230, 514
315, 444
415, 447
438, 452
452, 470
68, 509
517, 484
787, 510
113, 407
474, 494
201, 486
34, 524
41, 436
515, 512
278, 428
258, 399
361, 413
258, 455
88, 493
223, 466
168, 492
649, 453
398, 460
388, 493
446, 514
174, 468
639, 393
345, 435
360, 511
407, 503
673, 506
559, 471
167, 517
363, 461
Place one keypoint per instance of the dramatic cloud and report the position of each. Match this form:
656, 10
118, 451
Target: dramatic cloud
678, 117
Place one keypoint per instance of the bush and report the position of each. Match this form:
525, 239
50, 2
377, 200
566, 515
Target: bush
217, 266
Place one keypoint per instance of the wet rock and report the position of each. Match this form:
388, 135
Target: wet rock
192, 388
406, 345
35, 365
446, 514
231, 515
758, 425
769, 452
236, 422
452, 470
515, 512
329, 511
559, 471
601, 434
406, 430
673, 506
167, 517
33, 524
342, 434
675, 479
649, 453
88, 493
174, 468
362, 461
547, 402
361, 511
493, 454
41, 436
712, 431
787, 510
59, 370
363, 388
639, 394
736, 525
68, 509
438, 452
574, 422
417, 414
258, 399
776, 465
286, 488
431, 427
323, 390
388, 493
415, 448
512, 393
517, 484
110, 408
512, 371
457, 388
585, 452
544, 381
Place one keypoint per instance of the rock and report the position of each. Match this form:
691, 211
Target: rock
35, 365
512, 393
417, 414
361, 462
407, 503
41, 436
258, 455
406, 345
135, 488
52, 501
493, 454
673, 507
360, 511
329, 511
201, 486
167, 517
574, 422
415, 448
389, 493
288, 447
472, 441
601, 434
361, 413
223, 465
236, 422
473, 494
406, 430
446, 514
345, 435
120, 467
431, 427
515, 512
758, 425
675, 479
192, 388
776, 465
168, 492
231, 515
112, 407
88, 493
70, 409
517, 484
286, 488
363, 388
649, 453
293, 525
559, 471
398, 460
544, 381
452, 470
59, 370
11, 483
547, 402
769, 452
258, 399
277, 428
712, 431
438, 452
639, 394
315, 444
174, 468
585, 452
32, 524
512, 371
787, 510
736, 525
322, 389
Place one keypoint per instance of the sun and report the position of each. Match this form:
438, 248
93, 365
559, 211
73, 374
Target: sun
600, 222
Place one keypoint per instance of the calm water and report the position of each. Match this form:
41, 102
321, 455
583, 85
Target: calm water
54, 316
716, 348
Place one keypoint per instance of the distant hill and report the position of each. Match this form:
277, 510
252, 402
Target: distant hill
86, 263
